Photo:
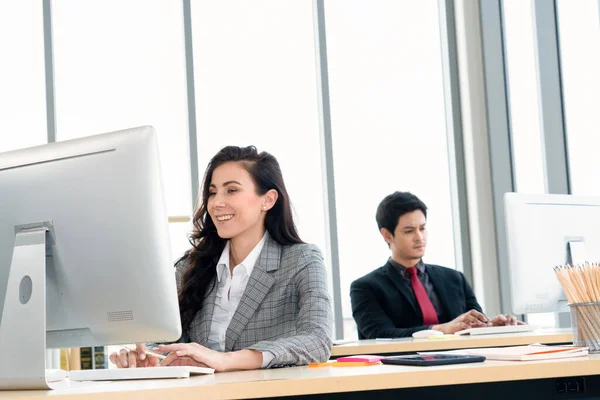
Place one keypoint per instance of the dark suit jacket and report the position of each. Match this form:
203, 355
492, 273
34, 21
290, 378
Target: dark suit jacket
383, 307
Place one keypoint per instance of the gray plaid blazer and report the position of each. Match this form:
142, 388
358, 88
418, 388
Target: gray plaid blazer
285, 308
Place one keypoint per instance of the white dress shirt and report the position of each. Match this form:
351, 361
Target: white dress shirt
230, 289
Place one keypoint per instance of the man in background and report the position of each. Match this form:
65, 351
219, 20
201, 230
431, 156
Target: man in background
406, 295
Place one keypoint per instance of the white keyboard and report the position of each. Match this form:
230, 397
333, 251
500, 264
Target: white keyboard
55, 375
115, 374
491, 330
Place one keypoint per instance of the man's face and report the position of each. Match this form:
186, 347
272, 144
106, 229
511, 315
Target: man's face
410, 237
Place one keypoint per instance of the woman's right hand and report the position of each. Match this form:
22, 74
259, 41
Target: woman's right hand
129, 358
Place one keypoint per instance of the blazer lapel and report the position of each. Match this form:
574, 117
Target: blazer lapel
201, 325
437, 280
258, 286
396, 279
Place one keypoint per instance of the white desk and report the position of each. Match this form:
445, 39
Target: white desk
389, 382
410, 345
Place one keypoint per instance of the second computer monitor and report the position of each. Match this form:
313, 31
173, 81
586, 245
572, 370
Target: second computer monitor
544, 231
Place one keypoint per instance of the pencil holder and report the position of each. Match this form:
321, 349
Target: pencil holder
585, 321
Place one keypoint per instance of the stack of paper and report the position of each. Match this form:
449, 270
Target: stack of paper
530, 352
520, 353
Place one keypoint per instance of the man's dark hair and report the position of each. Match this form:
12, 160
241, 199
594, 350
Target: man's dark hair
395, 205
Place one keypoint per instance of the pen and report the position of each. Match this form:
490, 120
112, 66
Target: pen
333, 363
159, 356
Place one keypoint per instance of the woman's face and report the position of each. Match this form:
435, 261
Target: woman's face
234, 205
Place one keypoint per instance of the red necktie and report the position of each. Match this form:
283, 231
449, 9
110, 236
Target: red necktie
429, 314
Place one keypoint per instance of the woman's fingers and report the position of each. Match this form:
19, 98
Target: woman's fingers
170, 360
123, 358
141, 350
185, 351
132, 355
129, 358
153, 361
168, 348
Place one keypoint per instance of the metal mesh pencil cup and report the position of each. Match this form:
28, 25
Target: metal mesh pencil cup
585, 321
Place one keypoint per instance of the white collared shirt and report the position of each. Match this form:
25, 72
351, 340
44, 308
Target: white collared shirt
230, 289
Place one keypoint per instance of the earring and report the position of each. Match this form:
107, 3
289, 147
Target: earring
264, 207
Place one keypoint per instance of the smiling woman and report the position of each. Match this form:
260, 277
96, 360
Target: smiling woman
251, 293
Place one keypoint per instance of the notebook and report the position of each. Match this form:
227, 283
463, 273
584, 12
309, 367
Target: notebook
534, 351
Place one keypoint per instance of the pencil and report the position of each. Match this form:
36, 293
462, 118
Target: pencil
581, 284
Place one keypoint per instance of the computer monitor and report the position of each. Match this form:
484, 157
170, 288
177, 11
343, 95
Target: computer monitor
85, 256
543, 231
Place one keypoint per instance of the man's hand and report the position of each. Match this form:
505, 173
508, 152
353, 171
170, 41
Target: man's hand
470, 319
507, 319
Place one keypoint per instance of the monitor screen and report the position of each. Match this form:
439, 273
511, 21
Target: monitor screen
109, 272
544, 231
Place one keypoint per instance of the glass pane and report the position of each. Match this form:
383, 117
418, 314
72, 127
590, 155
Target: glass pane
524, 104
389, 128
128, 75
579, 34
524, 108
259, 88
22, 83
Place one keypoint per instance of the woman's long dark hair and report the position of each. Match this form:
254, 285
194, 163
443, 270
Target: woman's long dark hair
207, 246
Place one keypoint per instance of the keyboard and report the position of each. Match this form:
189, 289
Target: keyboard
491, 330
116, 374
55, 375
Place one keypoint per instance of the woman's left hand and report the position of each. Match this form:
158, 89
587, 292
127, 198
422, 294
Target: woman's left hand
195, 355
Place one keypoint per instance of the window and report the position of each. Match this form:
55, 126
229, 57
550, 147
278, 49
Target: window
524, 103
388, 127
579, 35
22, 97
259, 88
120, 64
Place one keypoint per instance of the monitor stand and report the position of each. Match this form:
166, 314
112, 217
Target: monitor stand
563, 320
577, 253
23, 324
577, 256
